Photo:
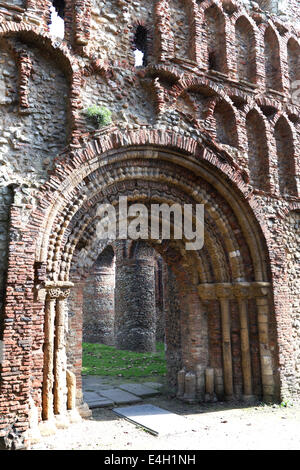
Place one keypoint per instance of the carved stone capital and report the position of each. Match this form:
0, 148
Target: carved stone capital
239, 290
215, 291
224, 290
58, 293
207, 291
242, 290
59, 290
260, 289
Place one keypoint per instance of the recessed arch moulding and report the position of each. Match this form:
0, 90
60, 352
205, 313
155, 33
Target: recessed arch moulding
220, 322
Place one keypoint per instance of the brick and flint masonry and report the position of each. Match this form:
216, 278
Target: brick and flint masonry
209, 116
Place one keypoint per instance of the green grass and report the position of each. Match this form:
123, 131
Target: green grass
99, 359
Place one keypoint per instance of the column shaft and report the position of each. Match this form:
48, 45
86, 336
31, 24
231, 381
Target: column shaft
135, 313
226, 345
265, 353
48, 359
60, 360
245, 348
99, 308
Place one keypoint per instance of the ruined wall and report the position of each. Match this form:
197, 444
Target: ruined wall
117, 22
293, 269
135, 96
245, 114
33, 129
286, 10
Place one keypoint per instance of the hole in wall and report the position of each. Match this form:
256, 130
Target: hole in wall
57, 24
59, 6
141, 49
212, 61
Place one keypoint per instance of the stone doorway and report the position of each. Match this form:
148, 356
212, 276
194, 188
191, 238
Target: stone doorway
119, 302
130, 298
221, 318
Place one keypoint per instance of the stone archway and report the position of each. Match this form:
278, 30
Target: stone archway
226, 344
226, 337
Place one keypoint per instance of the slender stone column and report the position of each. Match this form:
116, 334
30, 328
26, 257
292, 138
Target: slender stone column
49, 355
209, 384
261, 291
71, 386
242, 293
74, 335
54, 382
173, 338
223, 291
60, 357
135, 312
224, 294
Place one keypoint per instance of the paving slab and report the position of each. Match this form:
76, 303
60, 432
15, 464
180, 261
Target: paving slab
101, 403
156, 420
94, 387
155, 385
94, 379
96, 401
90, 396
141, 390
119, 396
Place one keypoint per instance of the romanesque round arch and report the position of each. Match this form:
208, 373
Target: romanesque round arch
217, 69
224, 289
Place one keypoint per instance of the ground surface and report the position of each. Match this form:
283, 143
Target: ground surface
108, 361
214, 426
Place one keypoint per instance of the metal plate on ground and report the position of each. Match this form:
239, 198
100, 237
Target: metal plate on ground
156, 420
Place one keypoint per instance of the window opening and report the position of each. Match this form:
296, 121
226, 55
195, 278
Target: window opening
140, 42
57, 25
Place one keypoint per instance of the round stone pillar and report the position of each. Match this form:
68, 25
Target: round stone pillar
159, 299
135, 309
98, 309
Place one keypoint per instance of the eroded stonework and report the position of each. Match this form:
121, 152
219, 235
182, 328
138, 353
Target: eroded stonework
211, 117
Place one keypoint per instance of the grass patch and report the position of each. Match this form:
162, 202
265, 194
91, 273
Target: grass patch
99, 359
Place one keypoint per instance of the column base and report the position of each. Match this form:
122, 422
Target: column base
84, 410
268, 399
249, 398
62, 421
188, 400
34, 435
228, 398
74, 416
210, 398
48, 427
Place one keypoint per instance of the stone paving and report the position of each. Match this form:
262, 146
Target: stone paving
100, 392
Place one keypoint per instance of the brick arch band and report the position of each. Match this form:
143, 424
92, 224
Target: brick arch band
227, 330
227, 278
